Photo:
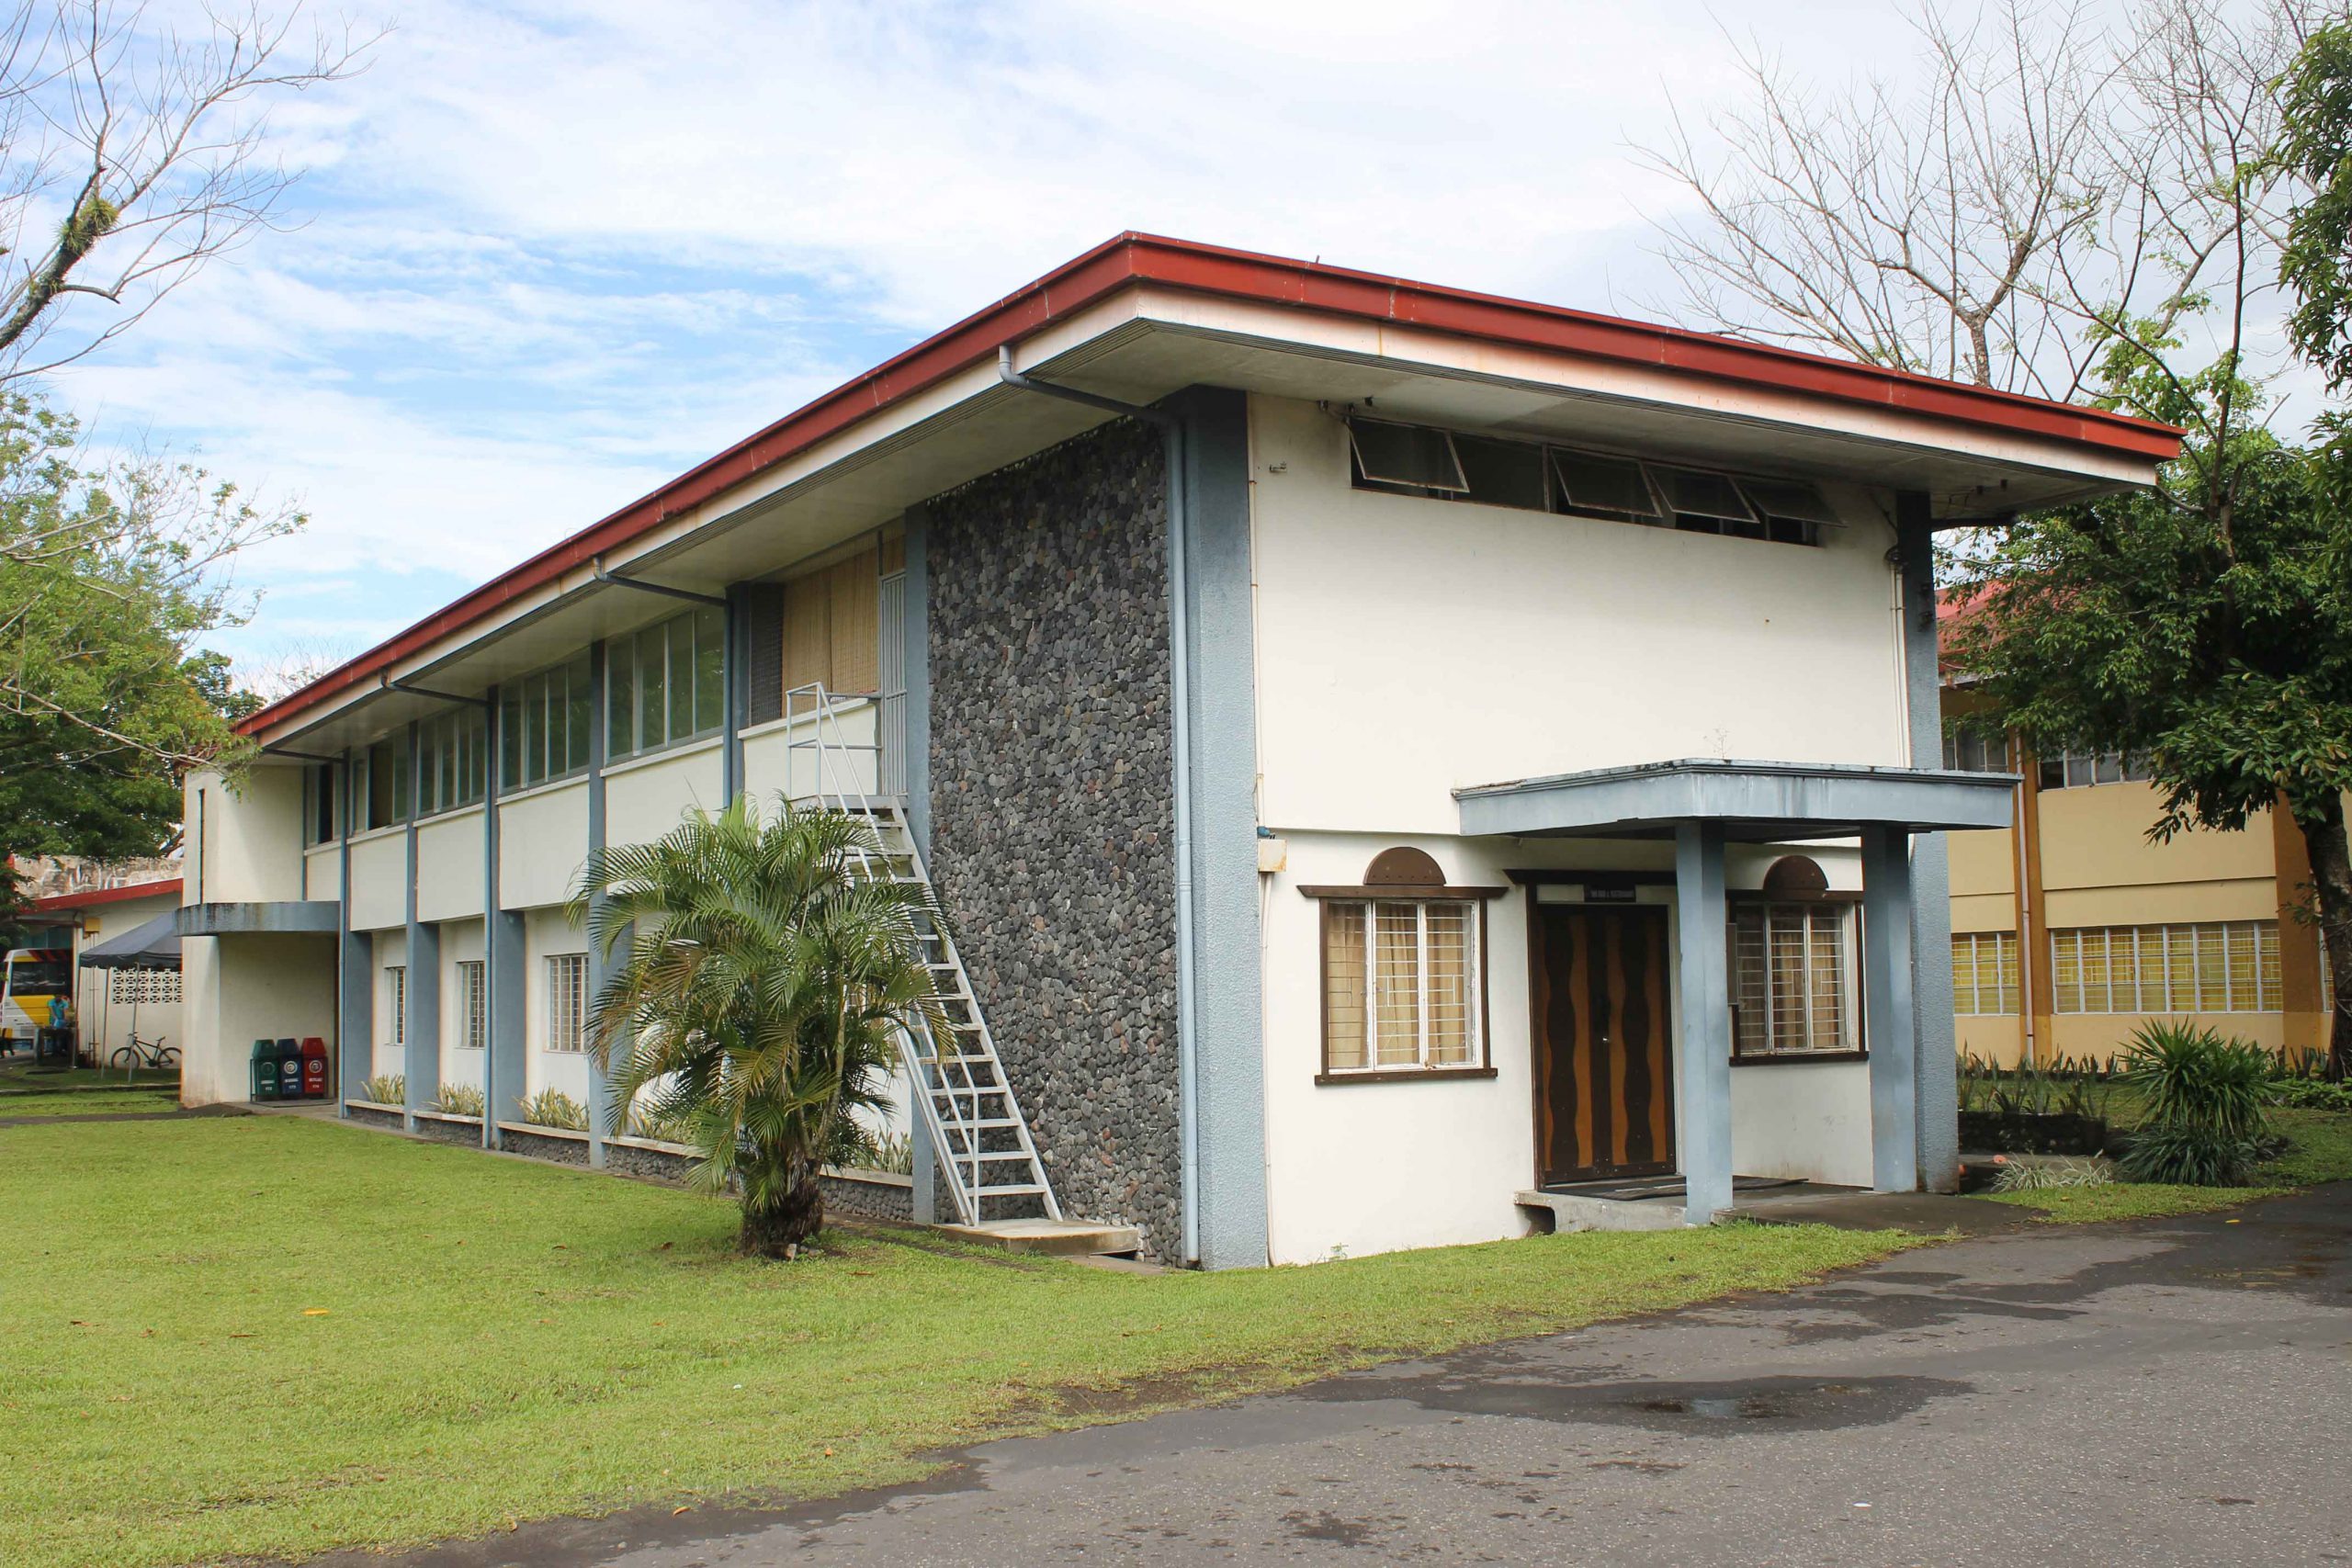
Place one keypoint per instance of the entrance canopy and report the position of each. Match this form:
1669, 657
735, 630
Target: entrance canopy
155, 945
1750, 802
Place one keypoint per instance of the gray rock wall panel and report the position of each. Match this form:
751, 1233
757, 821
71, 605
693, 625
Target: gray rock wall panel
1052, 816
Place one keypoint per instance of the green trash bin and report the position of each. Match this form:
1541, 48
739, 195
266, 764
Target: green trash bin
264, 1084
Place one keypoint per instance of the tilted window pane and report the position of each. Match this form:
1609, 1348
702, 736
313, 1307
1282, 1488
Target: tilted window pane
1689, 493
1405, 455
711, 632
1502, 473
1608, 486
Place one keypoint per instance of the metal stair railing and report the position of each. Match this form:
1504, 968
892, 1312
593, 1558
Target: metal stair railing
957, 1080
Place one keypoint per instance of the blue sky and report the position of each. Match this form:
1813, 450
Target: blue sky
549, 256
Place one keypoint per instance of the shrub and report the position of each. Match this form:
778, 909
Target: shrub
459, 1099
2207, 1118
893, 1151
553, 1108
662, 1125
2312, 1094
386, 1089
2192, 1157
2038, 1176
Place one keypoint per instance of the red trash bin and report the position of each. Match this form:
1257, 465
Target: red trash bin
314, 1068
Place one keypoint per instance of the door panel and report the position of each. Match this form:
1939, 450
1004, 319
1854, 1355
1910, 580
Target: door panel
1604, 1086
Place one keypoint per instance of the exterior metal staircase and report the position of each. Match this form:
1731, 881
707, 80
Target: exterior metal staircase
955, 1079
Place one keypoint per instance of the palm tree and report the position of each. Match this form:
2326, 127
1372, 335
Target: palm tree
766, 982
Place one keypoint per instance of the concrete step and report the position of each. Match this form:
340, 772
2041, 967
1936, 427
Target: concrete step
1062, 1239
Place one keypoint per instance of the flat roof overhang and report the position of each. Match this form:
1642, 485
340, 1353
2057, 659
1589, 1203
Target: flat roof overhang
1140, 318
1768, 802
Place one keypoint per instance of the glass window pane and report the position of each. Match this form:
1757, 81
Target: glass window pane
620, 697
1451, 1023
1692, 495
1502, 473
510, 738
1787, 498
682, 663
2066, 971
2109, 768
1343, 986
1396, 985
652, 720
710, 670
577, 687
1405, 455
1751, 984
2053, 773
402, 784
1609, 487
2078, 771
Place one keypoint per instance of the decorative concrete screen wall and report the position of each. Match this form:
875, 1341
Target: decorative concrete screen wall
1051, 805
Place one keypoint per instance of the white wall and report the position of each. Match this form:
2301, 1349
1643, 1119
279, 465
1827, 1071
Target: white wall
545, 933
1374, 1167
244, 840
461, 941
389, 950
449, 866
645, 800
380, 880
323, 871
236, 989
1407, 647
542, 840
774, 764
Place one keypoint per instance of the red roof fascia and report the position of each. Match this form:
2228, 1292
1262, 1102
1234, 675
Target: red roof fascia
1134, 259
57, 902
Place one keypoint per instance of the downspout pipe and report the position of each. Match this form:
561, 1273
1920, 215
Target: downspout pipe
1171, 427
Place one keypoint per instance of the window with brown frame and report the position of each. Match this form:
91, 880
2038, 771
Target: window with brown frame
1403, 973
1792, 971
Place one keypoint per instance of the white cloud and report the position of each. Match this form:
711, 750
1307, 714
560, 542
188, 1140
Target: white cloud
555, 252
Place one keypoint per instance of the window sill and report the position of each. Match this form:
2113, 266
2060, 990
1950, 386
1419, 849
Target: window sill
843, 704
1791, 1058
471, 808
1403, 1075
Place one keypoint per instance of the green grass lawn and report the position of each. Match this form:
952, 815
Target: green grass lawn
17, 1076
88, 1102
268, 1337
2319, 1148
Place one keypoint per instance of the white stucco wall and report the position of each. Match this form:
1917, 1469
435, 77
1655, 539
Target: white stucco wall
542, 840
645, 800
380, 880
449, 866
244, 837
461, 941
1373, 1167
323, 871
389, 950
1406, 646
773, 763
546, 932
236, 989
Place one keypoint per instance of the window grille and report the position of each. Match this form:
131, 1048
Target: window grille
1401, 984
2209, 967
567, 1001
1792, 978
2073, 770
473, 1004
396, 1000
131, 987
1985, 972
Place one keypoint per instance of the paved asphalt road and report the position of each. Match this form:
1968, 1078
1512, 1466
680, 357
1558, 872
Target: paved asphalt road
2174, 1392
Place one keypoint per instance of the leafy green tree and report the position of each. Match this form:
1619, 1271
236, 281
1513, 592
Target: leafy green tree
109, 579
2316, 260
2204, 628
764, 985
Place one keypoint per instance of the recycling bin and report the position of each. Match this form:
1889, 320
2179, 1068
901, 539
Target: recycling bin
314, 1068
264, 1084
289, 1068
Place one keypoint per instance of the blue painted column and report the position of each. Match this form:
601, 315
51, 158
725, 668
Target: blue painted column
603, 1117
421, 1025
1938, 1110
355, 1029
734, 701
502, 1069
1229, 1093
916, 621
1887, 1010
490, 740
1702, 1033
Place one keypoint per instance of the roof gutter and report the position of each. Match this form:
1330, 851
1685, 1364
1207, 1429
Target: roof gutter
1179, 654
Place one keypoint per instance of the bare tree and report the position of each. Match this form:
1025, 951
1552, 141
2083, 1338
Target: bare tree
2045, 188
131, 155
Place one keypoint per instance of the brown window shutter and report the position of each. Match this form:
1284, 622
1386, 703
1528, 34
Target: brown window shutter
762, 610
854, 594
808, 634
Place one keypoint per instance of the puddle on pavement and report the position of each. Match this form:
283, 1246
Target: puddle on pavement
1783, 1404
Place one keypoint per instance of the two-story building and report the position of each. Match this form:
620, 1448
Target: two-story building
1385, 754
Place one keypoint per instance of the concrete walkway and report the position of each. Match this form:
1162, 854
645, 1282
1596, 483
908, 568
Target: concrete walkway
2170, 1391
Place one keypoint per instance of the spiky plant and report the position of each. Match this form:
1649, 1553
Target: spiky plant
760, 998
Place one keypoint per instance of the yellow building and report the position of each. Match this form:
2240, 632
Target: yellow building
2071, 928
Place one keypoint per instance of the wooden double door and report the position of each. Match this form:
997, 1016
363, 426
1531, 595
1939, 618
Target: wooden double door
1603, 1039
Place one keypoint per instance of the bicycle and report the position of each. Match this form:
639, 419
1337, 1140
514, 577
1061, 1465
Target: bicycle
144, 1053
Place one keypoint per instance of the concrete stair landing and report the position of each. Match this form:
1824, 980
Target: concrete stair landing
1059, 1238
